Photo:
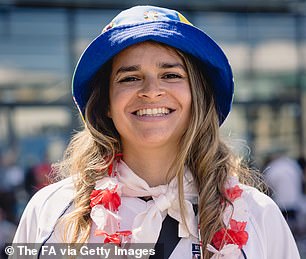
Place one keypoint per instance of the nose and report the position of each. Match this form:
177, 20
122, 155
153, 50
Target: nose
151, 89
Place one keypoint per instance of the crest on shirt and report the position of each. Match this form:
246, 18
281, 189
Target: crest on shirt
196, 252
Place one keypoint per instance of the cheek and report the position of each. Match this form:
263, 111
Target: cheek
113, 102
187, 103
186, 98
117, 103
111, 110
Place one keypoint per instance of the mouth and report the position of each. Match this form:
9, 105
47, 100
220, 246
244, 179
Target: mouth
153, 112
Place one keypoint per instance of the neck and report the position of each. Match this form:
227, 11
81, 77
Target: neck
152, 165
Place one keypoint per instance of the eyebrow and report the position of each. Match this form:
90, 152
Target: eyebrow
134, 68
172, 65
128, 69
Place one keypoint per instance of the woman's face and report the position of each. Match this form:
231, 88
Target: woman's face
150, 98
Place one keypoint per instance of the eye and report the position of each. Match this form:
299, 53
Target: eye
172, 76
128, 79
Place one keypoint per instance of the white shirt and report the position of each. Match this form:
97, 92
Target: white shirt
269, 234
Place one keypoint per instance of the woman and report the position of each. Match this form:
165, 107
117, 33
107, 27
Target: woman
150, 167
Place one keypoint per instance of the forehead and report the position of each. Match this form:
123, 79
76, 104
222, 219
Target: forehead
146, 49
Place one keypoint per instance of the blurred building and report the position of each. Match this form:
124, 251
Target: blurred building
40, 42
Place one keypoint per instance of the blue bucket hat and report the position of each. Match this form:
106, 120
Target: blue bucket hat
144, 23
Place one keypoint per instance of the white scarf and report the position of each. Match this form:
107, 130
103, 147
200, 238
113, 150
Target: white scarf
147, 225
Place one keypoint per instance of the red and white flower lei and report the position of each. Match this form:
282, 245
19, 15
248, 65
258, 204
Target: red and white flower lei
104, 202
228, 241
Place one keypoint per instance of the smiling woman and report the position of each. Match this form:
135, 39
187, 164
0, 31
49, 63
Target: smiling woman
150, 106
149, 166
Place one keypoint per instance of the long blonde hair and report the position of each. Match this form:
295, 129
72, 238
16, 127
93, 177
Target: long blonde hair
91, 151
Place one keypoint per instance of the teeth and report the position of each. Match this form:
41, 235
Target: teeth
153, 112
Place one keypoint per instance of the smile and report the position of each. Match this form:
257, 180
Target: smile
162, 111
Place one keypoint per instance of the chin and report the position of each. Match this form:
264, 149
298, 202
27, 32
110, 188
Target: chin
157, 141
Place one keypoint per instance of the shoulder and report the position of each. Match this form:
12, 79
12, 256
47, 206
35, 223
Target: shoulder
43, 211
258, 201
250, 205
57, 192
65, 185
262, 210
267, 228
254, 201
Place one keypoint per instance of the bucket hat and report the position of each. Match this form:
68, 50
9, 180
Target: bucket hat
151, 23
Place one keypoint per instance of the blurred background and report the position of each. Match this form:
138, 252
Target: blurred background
41, 41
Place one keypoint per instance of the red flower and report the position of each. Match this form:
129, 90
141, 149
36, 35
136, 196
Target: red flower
233, 193
219, 238
236, 234
113, 238
110, 168
108, 198
237, 225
